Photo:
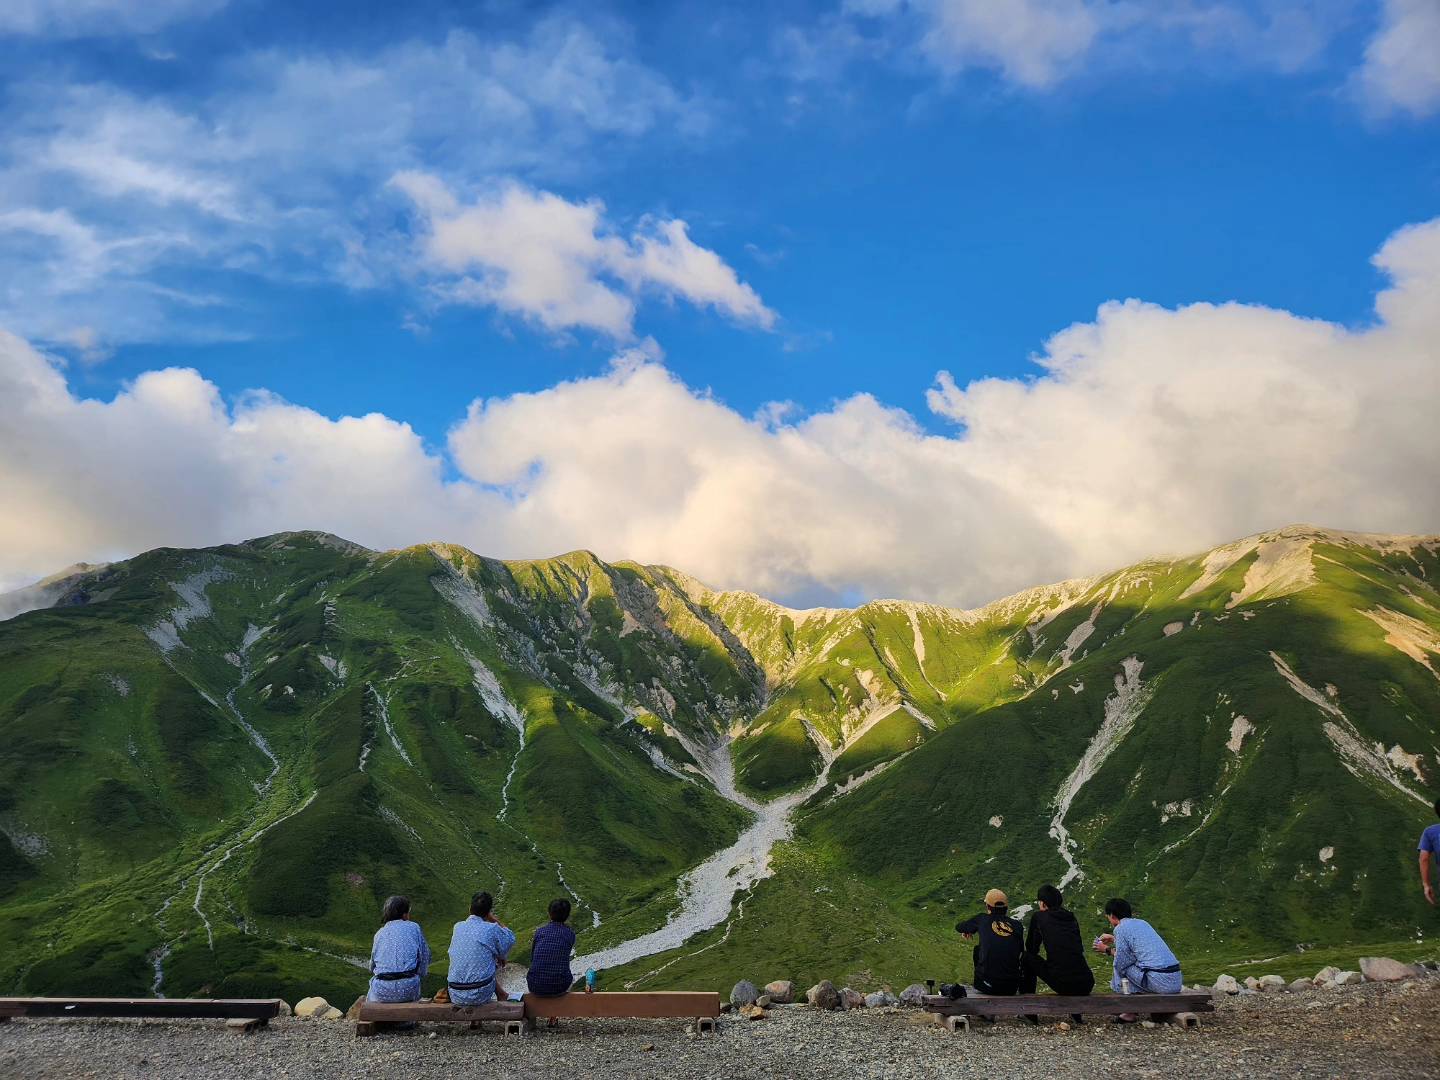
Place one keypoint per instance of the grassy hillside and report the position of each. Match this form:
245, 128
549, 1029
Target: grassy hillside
220, 762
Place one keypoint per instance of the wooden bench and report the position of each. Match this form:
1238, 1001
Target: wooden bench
1178, 1008
372, 1013
701, 1007
243, 1014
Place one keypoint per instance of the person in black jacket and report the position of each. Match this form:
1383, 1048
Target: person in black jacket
997, 956
1063, 967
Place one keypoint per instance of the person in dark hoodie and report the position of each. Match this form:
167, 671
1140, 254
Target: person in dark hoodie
1063, 968
997, 956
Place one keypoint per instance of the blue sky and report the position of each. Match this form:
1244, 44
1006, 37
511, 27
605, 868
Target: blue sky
361, 209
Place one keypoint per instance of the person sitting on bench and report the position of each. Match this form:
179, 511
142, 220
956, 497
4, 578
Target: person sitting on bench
1063, 968
549, 974
478, 948
1141, 956
997, 956
399, 957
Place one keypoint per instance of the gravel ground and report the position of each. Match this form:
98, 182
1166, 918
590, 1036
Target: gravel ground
1369, 1030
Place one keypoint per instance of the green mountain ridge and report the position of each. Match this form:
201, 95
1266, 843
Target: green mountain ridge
220, 761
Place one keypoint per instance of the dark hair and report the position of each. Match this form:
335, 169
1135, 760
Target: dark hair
481, 903
1121, 909
397, 907
560, 909
1437, 807
1050, 896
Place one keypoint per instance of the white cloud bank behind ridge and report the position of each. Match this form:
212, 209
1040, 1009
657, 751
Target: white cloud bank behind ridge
1150, 430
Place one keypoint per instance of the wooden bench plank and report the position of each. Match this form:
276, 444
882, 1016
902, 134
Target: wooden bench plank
438, 1012
651, 1004
1064, 1005
145, 1008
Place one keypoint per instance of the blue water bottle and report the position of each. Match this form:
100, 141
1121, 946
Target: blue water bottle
591, 978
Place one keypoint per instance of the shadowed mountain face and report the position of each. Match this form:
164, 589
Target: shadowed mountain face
219, 762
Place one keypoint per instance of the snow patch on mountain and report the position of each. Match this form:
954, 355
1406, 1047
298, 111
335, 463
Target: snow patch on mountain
194, 604
1121, 710
1281, 567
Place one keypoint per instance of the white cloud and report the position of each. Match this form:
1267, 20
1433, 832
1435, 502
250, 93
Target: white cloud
99, 18
1032, 42
1148, 430
281, 170
561, 264
1401, 71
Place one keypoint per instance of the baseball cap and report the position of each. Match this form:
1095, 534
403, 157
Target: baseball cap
996, 898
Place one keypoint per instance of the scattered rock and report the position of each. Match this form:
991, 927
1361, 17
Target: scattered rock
1148, 1024
852, 999
353, 1013
1325, 976
725, 1006
648, 1047
752, 1012
744, 993
331, 1013
781, 991
311, 1008
1349, 978
913, 994
1271, 984
764, 1001
1252, 983
823, 995
880, 999
1383, 969
1300, 984
285, 1009
1226, 984
1062, 1026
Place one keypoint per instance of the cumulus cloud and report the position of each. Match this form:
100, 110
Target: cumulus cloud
1147, 430
562, 264
1401, 71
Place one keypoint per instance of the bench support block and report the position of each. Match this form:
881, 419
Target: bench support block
1183, 1019
705, 1025
515, 1027
245, 1025
958, 1025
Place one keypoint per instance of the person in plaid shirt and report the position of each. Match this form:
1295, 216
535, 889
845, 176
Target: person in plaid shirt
549, 974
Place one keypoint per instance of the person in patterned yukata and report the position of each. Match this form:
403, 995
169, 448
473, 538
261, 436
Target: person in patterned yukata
399, 957
478, 948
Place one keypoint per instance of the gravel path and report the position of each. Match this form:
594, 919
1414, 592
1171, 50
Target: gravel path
1370, 1030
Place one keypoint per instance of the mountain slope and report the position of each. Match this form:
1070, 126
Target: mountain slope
220, 761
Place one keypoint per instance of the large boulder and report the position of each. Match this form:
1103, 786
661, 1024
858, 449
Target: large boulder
823, 995
1383, 969
1349, 978
353, 1013
914, 994
1226, 984
1252, 983
1325, 976
880, 999
1300, 984
781, 991
852, 999
744, 993
1271, 984
311, 1008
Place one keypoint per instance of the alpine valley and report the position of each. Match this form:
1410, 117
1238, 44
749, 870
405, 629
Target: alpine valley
217, 763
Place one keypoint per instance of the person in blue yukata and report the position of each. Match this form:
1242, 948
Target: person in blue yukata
1141, 956
1429, 852
478, 948
549, 974
399, 957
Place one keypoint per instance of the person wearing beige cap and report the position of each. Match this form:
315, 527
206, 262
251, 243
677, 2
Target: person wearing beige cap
1001, 941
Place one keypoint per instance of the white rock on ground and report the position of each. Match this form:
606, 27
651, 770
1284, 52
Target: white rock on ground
311, 1008
879, 999
1252, 983
1383, 969
1300, 984
823, 995
1349, 978
1325, 975
1226, 984
1271, 984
